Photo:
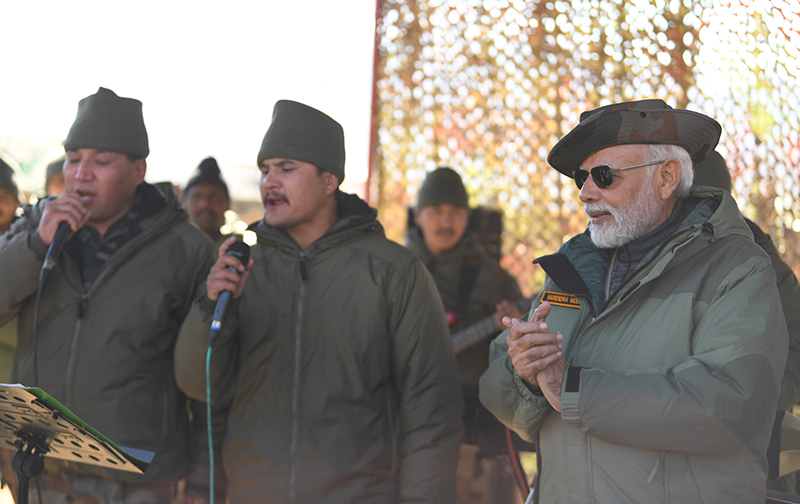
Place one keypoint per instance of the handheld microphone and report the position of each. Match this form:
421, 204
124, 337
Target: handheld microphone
59, 239
240, 250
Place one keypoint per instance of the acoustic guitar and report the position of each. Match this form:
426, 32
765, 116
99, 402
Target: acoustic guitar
484, 328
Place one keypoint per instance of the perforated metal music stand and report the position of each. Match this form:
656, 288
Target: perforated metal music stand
38, 426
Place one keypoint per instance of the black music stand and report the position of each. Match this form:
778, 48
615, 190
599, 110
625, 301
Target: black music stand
37, 425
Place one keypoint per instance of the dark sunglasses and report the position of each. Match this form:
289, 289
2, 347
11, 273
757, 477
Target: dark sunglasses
602, 174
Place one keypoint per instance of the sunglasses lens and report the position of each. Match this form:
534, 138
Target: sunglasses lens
602, 176
580, 177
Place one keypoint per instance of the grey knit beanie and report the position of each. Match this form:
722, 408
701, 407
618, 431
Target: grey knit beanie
305, 134
106, 121
442, 186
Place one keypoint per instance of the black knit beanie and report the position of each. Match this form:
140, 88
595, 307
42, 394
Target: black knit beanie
7, 182
54, 168
442, 186
106, 121
207, 172
713, 171
305, 134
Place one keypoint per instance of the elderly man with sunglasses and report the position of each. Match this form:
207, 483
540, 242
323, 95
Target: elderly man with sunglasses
650, 367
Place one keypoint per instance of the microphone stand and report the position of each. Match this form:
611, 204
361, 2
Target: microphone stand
38, 426
29, 461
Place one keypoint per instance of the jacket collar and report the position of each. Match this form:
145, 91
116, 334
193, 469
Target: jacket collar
579, 267
355, 217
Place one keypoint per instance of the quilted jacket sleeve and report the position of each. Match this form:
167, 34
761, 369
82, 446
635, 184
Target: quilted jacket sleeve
21, 255
504, 393
426, 378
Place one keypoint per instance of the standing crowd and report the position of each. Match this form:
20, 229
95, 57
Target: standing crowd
651, 367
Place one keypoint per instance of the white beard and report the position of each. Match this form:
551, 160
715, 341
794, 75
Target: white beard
630, 221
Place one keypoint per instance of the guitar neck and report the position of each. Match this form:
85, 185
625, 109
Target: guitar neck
482, 329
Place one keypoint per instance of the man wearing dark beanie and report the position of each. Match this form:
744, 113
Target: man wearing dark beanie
54, 178
472, 285
111, 306
9, 200
334, 365
206, 198
713, 172
9, 194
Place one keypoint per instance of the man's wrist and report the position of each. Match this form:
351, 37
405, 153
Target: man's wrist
535, 390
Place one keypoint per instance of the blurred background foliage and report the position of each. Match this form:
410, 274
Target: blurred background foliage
489, 86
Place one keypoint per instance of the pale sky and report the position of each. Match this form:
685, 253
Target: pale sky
207, 73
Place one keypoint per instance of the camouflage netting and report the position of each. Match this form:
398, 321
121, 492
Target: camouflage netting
488, 87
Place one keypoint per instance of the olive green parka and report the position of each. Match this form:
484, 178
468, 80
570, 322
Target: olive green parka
106, 352
674, 381
336, 370
492, 285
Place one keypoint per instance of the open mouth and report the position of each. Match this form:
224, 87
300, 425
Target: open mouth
273, 201
85, 195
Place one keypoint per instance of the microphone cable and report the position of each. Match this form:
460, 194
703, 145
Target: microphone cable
209, 428
36, 336
241, 251
59, 238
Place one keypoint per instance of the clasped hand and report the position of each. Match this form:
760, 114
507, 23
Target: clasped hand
536, 354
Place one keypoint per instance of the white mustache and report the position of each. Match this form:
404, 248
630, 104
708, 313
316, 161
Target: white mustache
598, 207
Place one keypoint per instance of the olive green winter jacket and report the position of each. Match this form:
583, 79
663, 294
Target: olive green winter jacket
673, 382
789, 290
492, 284
337, 369
106, 353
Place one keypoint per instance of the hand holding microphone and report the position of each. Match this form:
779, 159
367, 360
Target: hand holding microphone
227, 277
67, 208
60, 217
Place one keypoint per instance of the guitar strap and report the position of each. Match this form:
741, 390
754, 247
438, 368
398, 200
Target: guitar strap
466, 282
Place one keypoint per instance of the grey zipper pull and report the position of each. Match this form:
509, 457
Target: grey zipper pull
303, 272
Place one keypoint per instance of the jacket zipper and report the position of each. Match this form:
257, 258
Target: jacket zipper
296, 382
706, 227
69, 388
70, 377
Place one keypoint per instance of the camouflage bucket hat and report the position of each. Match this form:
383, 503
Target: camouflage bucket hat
637, 122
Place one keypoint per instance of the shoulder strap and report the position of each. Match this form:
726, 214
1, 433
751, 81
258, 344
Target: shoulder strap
466, 282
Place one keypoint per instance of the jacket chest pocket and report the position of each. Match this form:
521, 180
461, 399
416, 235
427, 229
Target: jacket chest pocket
570, 322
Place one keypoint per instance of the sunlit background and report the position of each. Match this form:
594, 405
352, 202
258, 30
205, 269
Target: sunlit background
484, 86
207, 73
488, 87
